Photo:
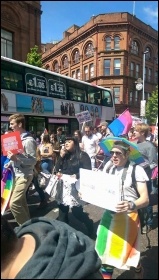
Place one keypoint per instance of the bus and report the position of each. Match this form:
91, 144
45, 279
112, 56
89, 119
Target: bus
49, 100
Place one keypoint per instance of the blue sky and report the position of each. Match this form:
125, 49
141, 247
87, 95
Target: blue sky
58, 16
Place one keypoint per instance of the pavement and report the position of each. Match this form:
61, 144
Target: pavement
149, 255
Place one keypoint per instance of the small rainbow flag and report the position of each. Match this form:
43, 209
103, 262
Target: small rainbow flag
122, 124
6, 188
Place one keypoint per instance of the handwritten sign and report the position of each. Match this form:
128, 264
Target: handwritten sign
83, 117
98, 188
11, 142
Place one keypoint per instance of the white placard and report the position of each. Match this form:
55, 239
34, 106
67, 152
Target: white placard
83, 116
98, 188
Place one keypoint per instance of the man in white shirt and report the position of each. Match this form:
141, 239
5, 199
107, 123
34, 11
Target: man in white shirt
90, 144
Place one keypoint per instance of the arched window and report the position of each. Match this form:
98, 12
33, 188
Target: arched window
148, 53
89, 50
76, 56
135, 47
56, 67
108, 43
65, 62
47, 67
116, 43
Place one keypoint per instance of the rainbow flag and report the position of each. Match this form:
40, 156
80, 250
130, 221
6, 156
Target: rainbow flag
6, 188
122, 124
118, 239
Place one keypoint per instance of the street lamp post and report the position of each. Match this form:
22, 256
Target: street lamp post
143, 101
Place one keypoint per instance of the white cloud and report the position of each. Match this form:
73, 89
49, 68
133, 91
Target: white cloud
152, 14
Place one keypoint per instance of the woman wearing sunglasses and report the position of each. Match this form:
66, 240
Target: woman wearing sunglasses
118, 234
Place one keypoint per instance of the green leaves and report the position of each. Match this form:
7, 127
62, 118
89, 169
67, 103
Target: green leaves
152, 107
34, 58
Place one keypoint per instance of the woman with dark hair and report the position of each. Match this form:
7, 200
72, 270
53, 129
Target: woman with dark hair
56, 146
46, 152
71, 159
78, 135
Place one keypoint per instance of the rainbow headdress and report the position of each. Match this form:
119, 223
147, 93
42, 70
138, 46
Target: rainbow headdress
6, 188
118, 239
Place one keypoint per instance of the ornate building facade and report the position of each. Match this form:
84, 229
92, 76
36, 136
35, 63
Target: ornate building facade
108, 51
20, 28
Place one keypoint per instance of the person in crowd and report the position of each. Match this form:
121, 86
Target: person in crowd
60, 136
131, 137
23, 165
97, 133
47, 249
46, 154
35, 182
56, 147
78, 134
105, 132
118, 235
90, 144
150, 136
70, 161
149, 152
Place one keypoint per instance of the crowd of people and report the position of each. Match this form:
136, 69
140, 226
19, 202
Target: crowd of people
51, 248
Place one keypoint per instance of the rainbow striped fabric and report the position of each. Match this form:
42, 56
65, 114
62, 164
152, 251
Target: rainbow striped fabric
6, 188
118, 239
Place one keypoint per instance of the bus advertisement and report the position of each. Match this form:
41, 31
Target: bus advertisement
49, 99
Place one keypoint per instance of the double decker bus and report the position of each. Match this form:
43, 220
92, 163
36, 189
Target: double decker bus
49, 100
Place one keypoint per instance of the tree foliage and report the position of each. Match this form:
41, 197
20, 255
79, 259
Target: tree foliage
34, 57
152, 107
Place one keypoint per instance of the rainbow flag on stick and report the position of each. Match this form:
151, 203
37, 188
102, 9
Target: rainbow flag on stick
6, 188
122, 124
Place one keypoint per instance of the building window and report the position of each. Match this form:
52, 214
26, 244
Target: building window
148, 54
107, 67
117, 95
132, 67
136, 96
78, 74
89, 51
135, 48
47, 67
137, 74
6, 43
65, 62
149, 75
73, 75
86, 77
76, 56
108, 43
56, 67
117, 63
116, 43
156, 77
130, 97
91, 69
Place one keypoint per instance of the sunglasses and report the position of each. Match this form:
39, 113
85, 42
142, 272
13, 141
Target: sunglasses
117, 153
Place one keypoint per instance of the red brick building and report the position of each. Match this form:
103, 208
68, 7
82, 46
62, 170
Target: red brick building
108, 51
20, 28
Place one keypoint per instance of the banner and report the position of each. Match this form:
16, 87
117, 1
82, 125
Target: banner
11, 142
98, 188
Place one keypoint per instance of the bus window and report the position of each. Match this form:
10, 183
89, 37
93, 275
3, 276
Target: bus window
11, 75
77, 93
106, 98
94, 95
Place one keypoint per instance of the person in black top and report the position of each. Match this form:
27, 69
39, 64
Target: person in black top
70, 161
